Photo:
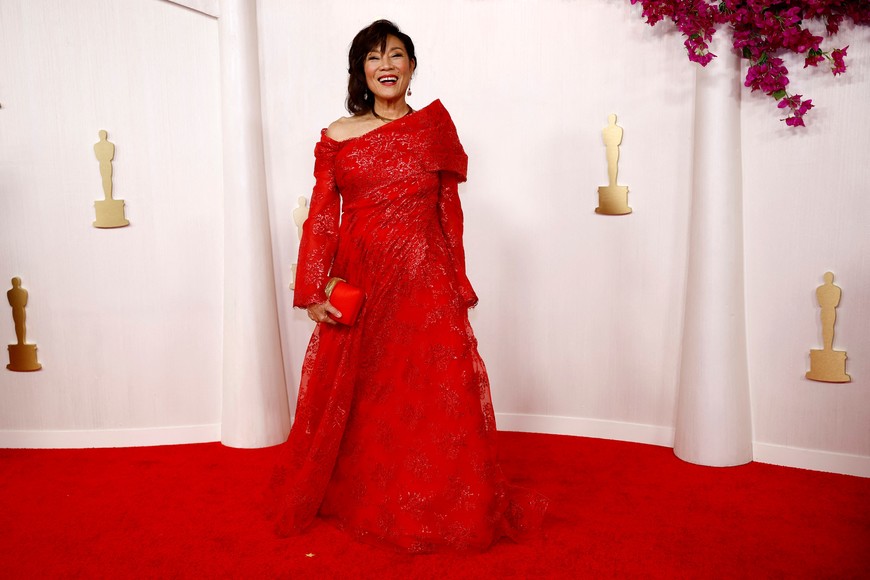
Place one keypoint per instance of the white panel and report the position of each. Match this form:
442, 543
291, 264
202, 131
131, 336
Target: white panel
255, 410
81, 438
807, 211
586, 427
713, 424
128, 321
858, 465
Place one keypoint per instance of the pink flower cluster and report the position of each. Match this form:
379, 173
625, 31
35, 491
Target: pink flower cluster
761, 30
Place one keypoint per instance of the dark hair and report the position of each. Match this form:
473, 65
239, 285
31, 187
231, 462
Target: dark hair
359, 99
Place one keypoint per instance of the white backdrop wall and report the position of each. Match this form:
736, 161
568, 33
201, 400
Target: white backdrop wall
579, 319
127, 320
806, 212
580, 314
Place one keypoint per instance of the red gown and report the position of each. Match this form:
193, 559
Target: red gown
394, 435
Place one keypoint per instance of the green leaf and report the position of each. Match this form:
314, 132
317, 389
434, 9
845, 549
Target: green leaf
778, 95
746, 52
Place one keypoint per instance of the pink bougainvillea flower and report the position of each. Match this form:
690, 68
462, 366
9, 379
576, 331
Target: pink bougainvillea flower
832, 23
814, 57
798, 108
793, 102
760, 31
838, 56
804, 107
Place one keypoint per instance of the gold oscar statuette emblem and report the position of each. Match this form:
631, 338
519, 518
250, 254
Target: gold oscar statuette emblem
612, 198
828, 365
300, 214
110, 212
22, 356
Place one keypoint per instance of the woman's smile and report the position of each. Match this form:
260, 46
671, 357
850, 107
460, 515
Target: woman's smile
388, 71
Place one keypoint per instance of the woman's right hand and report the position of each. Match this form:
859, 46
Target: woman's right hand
319, 312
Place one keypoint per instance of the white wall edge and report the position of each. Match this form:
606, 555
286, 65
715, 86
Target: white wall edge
207, 7
85, 438
843, 463
816, 460
585, 427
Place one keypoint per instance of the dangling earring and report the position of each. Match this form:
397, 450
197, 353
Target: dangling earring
409, 89
366, 96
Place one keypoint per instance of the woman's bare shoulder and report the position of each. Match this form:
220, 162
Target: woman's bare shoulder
340, 129
348, 127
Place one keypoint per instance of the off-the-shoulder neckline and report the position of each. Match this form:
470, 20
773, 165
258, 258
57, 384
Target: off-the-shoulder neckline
376, 129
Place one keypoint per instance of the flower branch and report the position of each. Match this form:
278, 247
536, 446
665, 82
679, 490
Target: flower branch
761, 30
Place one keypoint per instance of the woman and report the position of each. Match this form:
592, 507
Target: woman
394, 436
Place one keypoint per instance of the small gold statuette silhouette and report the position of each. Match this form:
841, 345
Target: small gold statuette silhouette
828, 365
22, 356
612, 198
300, 214
110, 212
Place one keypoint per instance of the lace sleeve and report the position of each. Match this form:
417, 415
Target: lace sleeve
450, 214
319, 232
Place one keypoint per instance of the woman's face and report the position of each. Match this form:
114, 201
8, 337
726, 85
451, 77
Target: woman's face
388, 73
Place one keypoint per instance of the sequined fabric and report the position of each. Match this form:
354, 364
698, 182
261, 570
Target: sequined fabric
394, 436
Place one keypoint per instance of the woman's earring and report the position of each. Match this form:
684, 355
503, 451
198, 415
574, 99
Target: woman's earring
409, 89
366, 96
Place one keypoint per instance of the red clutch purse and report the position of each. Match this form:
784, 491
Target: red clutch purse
348, 299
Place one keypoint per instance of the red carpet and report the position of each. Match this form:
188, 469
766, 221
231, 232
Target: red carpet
617, 509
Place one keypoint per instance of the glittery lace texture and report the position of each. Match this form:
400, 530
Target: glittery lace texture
394, 435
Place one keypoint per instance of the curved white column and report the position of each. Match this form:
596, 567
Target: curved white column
255, 410
713, 419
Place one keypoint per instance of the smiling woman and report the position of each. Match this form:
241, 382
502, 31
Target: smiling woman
380, 66
388, 73
394, 437
379, 51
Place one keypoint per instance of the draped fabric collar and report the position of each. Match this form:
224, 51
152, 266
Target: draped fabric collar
434, 131
434, 109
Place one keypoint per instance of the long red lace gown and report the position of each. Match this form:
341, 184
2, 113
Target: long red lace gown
394, 436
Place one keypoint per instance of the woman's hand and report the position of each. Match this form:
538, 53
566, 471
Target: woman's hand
318, 312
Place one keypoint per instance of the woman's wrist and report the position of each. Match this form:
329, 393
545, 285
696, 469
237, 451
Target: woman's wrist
331, 284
